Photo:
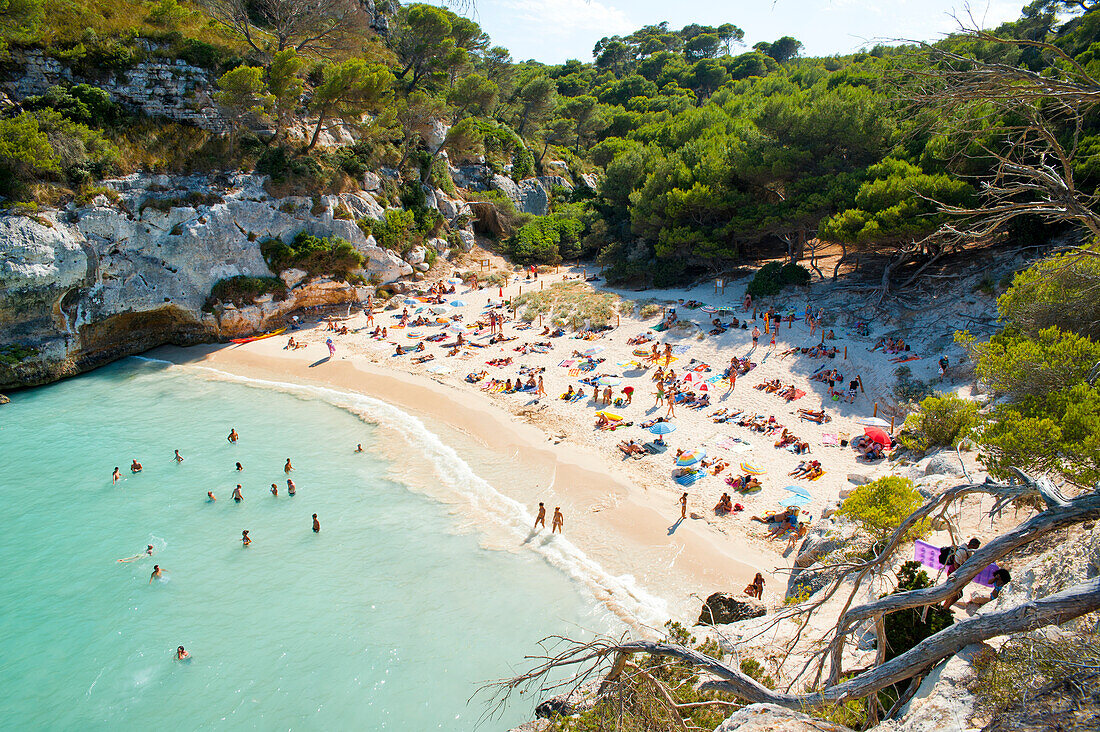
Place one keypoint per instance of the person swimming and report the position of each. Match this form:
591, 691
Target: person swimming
233, 436
210, 496
239, 467
179, 458
290, 487
245, 540
135, 467
237, 495
288, 467
157, 574
274, 490
316, 525
147, 553
359, 447
182, 654
116, 476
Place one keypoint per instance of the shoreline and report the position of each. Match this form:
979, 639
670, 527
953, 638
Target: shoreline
625, 529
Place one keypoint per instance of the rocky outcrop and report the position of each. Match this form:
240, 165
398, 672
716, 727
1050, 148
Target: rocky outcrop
724, 607
87, 285
773, 718
4, 399
530, 195
173, 90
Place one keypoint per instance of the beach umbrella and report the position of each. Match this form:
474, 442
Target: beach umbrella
458, 303
752, 469
456, 328
797, 500
873, 422
410, 301
703, 386
439, 309
662, 428
690, 457
454, 281
689, 378
725, 309
877, 434
798, 489
592, 351
609, 381
412, 335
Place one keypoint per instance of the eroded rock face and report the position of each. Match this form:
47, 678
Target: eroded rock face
88, 285
724, 607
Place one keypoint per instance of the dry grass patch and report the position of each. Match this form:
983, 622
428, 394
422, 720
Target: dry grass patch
566, 303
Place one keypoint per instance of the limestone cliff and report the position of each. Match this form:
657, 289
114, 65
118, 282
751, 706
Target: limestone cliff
83, 286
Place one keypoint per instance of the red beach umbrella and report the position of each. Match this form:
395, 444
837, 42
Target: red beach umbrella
877, 434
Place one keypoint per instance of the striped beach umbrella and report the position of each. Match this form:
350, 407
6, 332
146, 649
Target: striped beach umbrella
752, 469
690, 457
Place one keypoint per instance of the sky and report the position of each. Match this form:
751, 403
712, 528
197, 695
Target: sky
552, 31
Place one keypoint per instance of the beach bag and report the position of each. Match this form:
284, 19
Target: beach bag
945, 554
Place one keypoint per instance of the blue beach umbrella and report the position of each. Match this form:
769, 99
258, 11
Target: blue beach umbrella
410, 301
799, 490
458, 303
662, 428
796, 500
592, 351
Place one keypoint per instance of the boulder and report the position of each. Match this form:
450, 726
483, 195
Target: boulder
416, 255
4, 399
436, 133
534, 197
945, 462
371, 182
774, 718
422, 266
440, 245
362, 206
590, 180
551, 181
291, 277
507, 186
467, 238
723, 607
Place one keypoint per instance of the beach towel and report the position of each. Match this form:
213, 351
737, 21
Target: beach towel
829, 439
929, 556
567, 363
716, 379
702, 367
689, 478
905, 359
734, 446
660, 327
680, 349
798, 394
574, 372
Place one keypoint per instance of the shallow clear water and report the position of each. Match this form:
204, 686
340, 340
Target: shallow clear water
388, 618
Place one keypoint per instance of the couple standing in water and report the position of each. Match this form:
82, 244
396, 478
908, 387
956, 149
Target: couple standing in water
556, 525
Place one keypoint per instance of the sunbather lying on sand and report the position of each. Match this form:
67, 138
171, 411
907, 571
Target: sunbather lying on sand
632, 448
819, 417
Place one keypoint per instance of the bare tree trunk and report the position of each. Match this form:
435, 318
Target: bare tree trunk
316, 132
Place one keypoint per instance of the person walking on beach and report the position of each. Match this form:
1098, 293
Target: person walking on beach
755, 336
233, 436
671, 405
540, 391
660, 394
668, 354
756, 587
157, 574
559, 521
684, 506
245, 540
288, 467
274, 490
316, 525
772, 346
331, 347
733, 380
237, 495
540, 520
179, 458
628, 392
290, 488
115, 476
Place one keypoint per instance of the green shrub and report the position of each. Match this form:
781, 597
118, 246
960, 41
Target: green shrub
333, 256
81, 103
941, 421
242, 290
908, 389
546, 240
882, 505
906, 628
774, 276
395, 230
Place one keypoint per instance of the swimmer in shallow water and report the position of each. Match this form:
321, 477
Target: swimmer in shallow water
274, 490
179, 458
115, 476
210, 496
237, 495
290, 487
245, 540
135, 467
316, 524
359, 447
288, 467
157, 574
233, 436
147, 553
182, 654
239, 467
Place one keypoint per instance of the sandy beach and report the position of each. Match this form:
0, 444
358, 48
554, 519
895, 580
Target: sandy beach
620, 513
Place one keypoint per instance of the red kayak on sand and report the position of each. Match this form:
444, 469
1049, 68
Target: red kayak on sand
259, 337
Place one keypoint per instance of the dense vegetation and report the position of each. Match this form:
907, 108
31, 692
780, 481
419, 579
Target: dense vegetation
707, 152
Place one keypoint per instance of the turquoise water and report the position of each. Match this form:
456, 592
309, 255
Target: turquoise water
388, 618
